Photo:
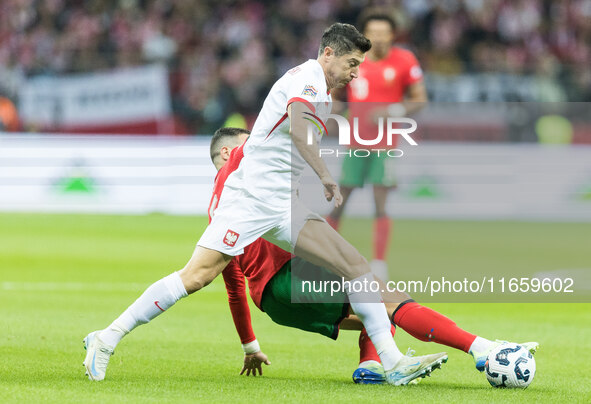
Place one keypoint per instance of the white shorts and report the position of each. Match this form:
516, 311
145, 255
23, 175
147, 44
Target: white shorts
240, 219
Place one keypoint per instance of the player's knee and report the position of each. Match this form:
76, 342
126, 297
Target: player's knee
194, 280
197, 283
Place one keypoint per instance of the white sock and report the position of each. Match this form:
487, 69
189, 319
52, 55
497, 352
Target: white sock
370, 309
388, 352
480, 344
380, 269
160, 296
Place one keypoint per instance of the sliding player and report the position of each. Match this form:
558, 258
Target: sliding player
269, 272
274, 275
258, 200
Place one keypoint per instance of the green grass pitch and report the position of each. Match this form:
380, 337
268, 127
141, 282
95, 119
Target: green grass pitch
63, 276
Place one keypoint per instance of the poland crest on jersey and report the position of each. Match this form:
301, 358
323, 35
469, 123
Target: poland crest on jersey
230, 238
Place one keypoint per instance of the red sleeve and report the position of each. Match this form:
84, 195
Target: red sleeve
414, 73
236, 288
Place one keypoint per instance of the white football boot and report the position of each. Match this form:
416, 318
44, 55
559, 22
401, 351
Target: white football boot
97, 356
411, 367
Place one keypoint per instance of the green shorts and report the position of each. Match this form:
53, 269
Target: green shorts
311, 312
374, 169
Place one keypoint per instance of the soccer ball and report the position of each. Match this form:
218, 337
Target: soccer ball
510, 365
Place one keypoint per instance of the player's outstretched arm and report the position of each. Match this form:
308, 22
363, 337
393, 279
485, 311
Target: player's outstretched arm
236, 288
298, 129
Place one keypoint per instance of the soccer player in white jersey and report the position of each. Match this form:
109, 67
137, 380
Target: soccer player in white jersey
258, 200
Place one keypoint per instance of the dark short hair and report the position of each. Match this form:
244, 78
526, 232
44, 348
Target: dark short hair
221, 135
375, 14
343, 39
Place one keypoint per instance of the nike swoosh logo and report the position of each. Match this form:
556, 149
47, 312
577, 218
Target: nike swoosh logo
92, 368
415, 364
156, 303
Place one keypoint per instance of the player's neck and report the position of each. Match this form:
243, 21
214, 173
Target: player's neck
329, 85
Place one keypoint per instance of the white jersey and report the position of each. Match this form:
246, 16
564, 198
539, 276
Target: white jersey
272, 167
258, 199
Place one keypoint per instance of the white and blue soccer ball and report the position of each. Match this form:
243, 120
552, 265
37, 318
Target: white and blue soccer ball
510, 365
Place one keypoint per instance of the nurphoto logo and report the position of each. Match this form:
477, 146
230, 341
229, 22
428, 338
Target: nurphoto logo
388, 130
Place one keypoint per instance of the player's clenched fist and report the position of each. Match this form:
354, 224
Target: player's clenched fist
254, 361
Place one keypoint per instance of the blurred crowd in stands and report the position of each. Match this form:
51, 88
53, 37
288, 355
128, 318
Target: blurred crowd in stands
223, 55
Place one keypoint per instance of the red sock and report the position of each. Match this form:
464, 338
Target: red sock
427, 325
334, 223
381, 237
367, 352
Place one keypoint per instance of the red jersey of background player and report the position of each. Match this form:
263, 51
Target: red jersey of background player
384, 81
259, 263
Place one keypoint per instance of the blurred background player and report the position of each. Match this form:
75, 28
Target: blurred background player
275, 280
390, 83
